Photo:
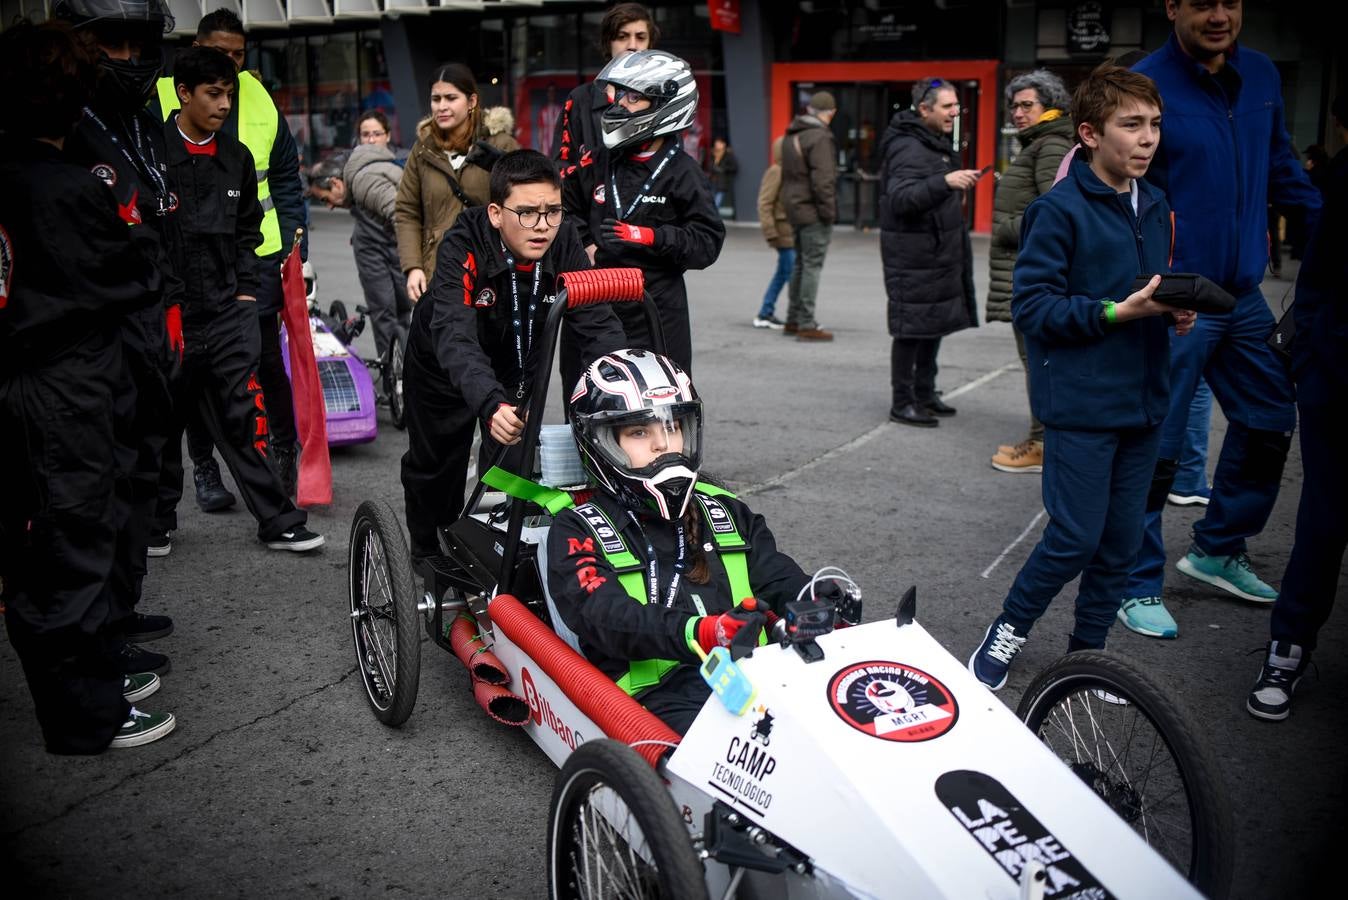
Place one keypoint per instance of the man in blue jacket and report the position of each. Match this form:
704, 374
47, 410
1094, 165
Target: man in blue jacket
1098, 379
1225, 155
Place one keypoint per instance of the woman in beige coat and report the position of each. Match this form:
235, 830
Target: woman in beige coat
447, 171
777, 232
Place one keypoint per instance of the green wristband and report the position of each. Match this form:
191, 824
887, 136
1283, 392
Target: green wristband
1109, 312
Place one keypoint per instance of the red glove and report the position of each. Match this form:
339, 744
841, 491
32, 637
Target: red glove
173, 324
613, 230
719, 631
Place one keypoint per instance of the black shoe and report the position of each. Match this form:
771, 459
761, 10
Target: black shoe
938, 407
912, 414
134, 660
139, 628
212, 495
298, 539
160, 544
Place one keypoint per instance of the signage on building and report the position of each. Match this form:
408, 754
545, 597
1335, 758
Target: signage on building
725, 15
1088, 27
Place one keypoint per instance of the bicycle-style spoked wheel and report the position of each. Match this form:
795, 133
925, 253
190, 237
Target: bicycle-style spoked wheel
613, 831
1139, 750
385, 624
393, 381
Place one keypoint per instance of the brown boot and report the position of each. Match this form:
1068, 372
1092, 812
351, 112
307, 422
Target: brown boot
814, 334
1027, 456
790, 328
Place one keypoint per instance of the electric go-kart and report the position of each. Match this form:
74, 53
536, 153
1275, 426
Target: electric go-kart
856, 762
350, 400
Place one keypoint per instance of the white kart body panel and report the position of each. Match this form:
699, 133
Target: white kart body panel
859, 797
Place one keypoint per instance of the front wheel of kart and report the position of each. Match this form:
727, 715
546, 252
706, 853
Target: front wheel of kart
393, 381
1141, 752
337, 311
613, 830
385, 623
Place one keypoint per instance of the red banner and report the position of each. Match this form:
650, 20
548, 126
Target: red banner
725, 15
314, 485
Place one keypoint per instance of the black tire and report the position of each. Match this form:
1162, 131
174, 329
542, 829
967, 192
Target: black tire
1144, 757
385, 623
662, 863
337, 311
393, 381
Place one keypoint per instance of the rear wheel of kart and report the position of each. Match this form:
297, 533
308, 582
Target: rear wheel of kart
337, 311
1138, 748
393, 381
385, 623
613, 830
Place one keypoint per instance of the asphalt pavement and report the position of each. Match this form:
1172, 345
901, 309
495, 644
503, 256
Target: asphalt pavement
279, 781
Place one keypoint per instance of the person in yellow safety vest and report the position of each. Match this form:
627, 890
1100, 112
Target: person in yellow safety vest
658, 568
258, 124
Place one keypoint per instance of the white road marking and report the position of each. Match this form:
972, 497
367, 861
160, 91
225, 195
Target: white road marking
1011, 546
869, 436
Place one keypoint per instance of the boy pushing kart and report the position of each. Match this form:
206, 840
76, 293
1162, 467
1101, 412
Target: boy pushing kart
471, 350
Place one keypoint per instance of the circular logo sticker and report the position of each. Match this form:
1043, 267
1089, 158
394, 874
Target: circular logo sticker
105, 173
485, 298
599, 195
892, 701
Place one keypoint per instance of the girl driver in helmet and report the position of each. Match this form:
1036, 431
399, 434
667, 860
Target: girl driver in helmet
656, 564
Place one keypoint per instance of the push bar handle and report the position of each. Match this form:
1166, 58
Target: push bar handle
603, 286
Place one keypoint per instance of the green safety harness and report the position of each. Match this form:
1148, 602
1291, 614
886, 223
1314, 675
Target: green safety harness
730, 547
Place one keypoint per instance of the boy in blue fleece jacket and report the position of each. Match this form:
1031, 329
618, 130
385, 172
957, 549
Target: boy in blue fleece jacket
1099, 369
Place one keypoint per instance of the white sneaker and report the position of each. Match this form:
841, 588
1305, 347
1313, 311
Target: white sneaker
768, 322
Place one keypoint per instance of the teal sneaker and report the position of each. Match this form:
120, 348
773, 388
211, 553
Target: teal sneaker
1148, 615
1230, 573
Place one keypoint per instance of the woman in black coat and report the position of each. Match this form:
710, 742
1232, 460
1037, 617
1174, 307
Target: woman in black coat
924, 247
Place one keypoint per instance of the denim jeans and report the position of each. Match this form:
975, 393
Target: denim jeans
1191, 478
786, 261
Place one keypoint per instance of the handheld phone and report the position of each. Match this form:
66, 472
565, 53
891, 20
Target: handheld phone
733, 687
983, 171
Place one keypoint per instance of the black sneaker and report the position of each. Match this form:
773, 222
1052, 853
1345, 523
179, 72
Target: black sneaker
161, 543
139, 628
139, 686
135, 660
1271, 697
143, 728
298, 539
212, 495
938, 407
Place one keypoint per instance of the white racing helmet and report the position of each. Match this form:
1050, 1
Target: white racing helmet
630, 387
663, 77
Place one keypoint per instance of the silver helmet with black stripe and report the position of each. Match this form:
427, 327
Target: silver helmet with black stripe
628, 389
665, 79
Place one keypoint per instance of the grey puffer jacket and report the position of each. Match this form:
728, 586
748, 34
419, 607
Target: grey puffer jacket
372, 175
1031, 173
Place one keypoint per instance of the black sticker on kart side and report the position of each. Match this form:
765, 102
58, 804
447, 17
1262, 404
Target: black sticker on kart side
1012, 836
892, 701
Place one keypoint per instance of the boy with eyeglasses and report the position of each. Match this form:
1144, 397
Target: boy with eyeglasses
476, 332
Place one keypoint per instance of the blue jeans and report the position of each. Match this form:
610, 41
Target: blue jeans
1191, 478
1253, 387
786, 261
1095, 491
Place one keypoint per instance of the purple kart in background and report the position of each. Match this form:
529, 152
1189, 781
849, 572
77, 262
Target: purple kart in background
349, 396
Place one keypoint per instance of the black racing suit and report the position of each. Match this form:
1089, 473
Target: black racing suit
578, 126
70, 274
613, 628
218, 229
462, 362
126, 151
688, 233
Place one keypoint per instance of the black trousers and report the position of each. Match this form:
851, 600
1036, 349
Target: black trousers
385, 287
59, 521
143, 419
220, 382
678, 699
439, 441
1312, 576
912, 370
271, 374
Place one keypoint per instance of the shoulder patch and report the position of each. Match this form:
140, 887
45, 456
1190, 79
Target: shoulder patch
104, 173
486, 298
599, 193
6, 266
